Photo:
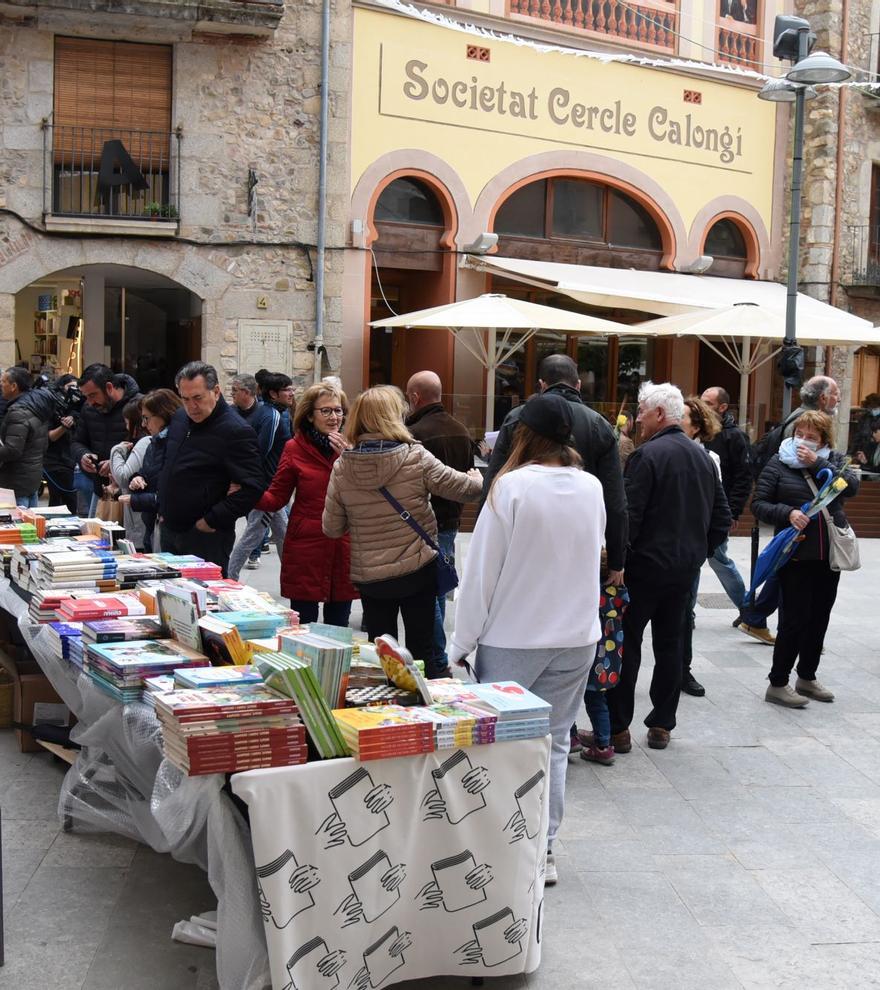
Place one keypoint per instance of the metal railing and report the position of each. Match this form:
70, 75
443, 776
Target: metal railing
111, 172
862, 267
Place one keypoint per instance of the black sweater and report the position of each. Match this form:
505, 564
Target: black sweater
780, 489
678, 513
201, 461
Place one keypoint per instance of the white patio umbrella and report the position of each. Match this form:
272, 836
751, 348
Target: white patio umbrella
492, 312
762, 327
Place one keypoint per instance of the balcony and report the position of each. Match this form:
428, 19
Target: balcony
249, 17
861, 268
108, 177
738, 43
648, 24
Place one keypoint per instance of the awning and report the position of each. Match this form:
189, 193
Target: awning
671, 293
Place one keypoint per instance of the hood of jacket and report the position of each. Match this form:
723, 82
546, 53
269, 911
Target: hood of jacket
375, 465
131, 388
40, 402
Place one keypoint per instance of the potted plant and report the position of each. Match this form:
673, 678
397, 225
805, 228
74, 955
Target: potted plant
153, 210
169, 211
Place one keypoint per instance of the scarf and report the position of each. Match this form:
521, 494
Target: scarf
788, 453
319, 439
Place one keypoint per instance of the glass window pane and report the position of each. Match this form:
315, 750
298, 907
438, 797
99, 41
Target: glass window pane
630, 224
725, 240
592, 362
632, 368
510, 384
577, 209
409, 201
523, 213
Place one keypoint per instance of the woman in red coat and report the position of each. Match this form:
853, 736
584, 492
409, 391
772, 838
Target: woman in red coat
314, 567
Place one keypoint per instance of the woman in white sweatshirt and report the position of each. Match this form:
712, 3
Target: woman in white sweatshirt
529, 595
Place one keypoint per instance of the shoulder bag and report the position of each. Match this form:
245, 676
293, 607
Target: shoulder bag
447, 578
843, 544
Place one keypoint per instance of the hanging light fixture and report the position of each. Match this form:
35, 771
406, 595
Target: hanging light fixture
818, 67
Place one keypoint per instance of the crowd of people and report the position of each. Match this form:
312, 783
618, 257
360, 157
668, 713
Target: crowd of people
364, 501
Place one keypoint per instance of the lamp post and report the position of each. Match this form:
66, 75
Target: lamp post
793, 41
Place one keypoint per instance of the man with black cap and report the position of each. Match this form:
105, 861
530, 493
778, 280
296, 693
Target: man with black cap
593, 439
529, 600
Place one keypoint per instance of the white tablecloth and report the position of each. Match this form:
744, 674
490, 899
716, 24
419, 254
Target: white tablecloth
373, 873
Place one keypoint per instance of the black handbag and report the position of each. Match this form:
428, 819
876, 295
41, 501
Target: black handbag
447, 577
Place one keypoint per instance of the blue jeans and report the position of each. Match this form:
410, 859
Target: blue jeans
726, 572
765, 604
446, 542
27, 501
600, 720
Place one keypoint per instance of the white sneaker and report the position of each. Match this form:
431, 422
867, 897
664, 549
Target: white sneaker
813, 689
252, 565
786, 697
550, 874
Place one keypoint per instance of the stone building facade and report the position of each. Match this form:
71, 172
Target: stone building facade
239, 231
840, 217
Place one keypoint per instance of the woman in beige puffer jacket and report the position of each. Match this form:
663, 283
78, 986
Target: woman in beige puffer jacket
394, 569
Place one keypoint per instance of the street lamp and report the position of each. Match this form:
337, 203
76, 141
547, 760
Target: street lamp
792, 41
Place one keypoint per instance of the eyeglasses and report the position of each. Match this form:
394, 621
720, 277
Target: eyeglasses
329, 411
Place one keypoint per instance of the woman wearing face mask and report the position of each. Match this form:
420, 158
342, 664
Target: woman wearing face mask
807, 584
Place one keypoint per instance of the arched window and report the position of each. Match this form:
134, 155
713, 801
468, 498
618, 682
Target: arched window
409, 201
726, 245
572, 209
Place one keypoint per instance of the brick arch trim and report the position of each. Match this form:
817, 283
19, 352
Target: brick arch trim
746, 218
597, 168
443, 180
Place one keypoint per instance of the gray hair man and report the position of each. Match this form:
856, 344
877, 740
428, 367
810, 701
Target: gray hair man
819, 393
678, 515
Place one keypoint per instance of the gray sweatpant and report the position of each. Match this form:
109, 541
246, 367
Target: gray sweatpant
559, 676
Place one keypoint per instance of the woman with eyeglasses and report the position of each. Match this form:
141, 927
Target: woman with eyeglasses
314, 567
126, 461
156, 411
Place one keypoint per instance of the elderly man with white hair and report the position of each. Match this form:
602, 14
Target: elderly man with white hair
678, 515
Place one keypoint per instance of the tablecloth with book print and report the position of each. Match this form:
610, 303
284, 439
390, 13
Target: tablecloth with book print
373, 873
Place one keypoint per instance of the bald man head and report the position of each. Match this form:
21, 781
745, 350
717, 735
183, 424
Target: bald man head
423, 389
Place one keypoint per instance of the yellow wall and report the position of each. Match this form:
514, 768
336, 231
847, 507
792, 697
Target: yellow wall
404, 70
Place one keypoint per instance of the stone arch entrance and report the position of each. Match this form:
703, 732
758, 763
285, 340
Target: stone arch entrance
135, 320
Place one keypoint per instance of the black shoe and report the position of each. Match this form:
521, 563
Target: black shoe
690, 685
737, 621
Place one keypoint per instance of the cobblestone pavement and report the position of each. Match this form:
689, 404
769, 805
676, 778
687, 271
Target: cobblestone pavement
746, 855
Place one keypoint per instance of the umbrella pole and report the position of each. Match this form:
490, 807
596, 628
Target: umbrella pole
744, 383
492, 335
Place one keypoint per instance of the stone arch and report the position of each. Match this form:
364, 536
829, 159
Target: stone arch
443, 180
746, 218
587, 165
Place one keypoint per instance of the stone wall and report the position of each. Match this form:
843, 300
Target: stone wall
242, 103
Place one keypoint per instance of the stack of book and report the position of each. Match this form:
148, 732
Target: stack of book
216, 677
251, 624
379, 694
222, 642
225, 731
61, 634
44, 605
87, 567
296, 679
120, 668
153, 686
16, 533
386, 731
140, 567
99, 607
519, 713
246, 599
329, 658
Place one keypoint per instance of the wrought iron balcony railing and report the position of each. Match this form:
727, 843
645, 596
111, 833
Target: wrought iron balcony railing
862, 267
111, 173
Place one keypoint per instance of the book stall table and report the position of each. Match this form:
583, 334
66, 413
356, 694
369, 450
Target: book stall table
398, 869
120, 783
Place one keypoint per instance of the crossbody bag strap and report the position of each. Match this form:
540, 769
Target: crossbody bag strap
408, 519
815, 491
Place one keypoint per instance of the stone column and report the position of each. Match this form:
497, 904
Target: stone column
7, 329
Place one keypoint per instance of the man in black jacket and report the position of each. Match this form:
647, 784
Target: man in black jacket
24, 436
213, 472
595, 442
449, 441
678, 515
101, 423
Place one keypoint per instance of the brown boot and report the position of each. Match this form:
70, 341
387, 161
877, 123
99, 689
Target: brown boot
622, 742
658, 738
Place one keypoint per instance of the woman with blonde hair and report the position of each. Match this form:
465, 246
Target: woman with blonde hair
314, 567
529, 598
393, 567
